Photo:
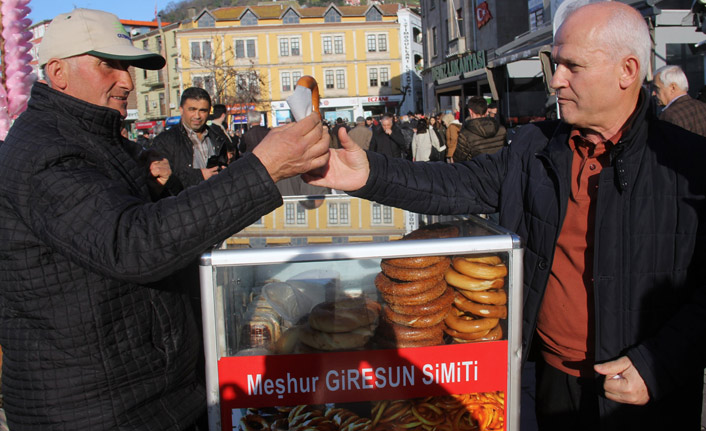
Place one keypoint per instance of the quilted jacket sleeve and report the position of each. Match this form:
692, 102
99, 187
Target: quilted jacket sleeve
101, 223
436, 188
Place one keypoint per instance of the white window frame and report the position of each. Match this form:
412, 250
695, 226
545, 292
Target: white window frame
341, 212
200, 42
292, 75
381, 215
245, 47
294, 214
288, 51
376, 38
205, 77
336, 44
334, 74
379, 72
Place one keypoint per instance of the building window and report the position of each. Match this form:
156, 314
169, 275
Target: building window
247, 82
328, 79
259, 222
327, 44
245, 48
338, 44
206, 82
147, 102
289, 79
207, 21
201, 50
339, 213
434, 42
459, 20
377, 42
289, 46
382, 42
373, 15
286, 79
340, 78
290, 17
373, 77
248, 18
294, 214
382, 215
332, 15
384, 77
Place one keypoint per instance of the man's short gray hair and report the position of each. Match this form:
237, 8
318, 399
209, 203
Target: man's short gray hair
625, 32
254, 117
672, 74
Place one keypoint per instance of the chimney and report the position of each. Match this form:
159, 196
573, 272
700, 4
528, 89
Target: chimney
191, 12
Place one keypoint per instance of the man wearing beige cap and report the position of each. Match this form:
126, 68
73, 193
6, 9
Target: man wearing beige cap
95, 334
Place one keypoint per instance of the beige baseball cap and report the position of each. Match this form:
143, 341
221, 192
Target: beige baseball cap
88, 31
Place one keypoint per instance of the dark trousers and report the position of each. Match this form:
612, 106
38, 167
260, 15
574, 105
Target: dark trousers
565, 402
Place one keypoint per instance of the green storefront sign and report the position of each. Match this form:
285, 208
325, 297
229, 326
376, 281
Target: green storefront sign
457, 67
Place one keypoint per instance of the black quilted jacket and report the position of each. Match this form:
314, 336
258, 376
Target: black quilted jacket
93, 337
650, 245
176, 146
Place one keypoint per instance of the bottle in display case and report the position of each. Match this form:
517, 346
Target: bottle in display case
417, 333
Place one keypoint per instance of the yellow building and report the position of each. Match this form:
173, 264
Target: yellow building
154, 102
354, 52
333, 219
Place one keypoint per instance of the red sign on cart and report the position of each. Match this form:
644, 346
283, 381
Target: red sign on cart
345, 377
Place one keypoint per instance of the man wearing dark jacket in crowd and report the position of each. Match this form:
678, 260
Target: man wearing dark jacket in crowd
94, 334
255, 134
219, 127
610, 203
387, 139
190, 144
480, 134
408, 134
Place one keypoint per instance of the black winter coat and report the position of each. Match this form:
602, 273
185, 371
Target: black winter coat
650, 245
176, 146
478, 136
93, 335
392, 145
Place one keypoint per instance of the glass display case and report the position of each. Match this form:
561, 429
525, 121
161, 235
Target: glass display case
417, 333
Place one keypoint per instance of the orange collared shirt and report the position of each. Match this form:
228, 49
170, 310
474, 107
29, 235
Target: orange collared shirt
566, 324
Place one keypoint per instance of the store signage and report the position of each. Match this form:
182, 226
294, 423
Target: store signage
483, 15
145, 124
457, 67
378, 99
249, 382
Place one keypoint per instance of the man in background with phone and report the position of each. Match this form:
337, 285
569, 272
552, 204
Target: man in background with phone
191, 145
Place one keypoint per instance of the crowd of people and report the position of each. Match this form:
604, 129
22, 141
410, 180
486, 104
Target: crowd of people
98, 235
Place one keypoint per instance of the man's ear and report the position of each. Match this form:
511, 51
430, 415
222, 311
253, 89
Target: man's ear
57, 71
629, 71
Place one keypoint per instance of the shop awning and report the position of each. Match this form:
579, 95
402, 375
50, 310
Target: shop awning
145, 124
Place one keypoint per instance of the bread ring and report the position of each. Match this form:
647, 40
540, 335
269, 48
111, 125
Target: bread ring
464, 323
310, 83
466, 335
433, 231
414, 262
492, 335
490, 296
480, 310
392, 331
431, 307
402, 344
254, 423
479, 270
344, 315
415, 321
407, 274
488, 259
390, 287
335, 341
465, 282
421, 298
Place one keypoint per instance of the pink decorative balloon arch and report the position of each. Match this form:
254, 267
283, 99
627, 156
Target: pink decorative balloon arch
17, 76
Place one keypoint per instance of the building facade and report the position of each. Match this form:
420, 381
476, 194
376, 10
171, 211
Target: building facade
364, 58
158, 91
470, 48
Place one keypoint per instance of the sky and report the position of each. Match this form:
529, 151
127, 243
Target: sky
141, 10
